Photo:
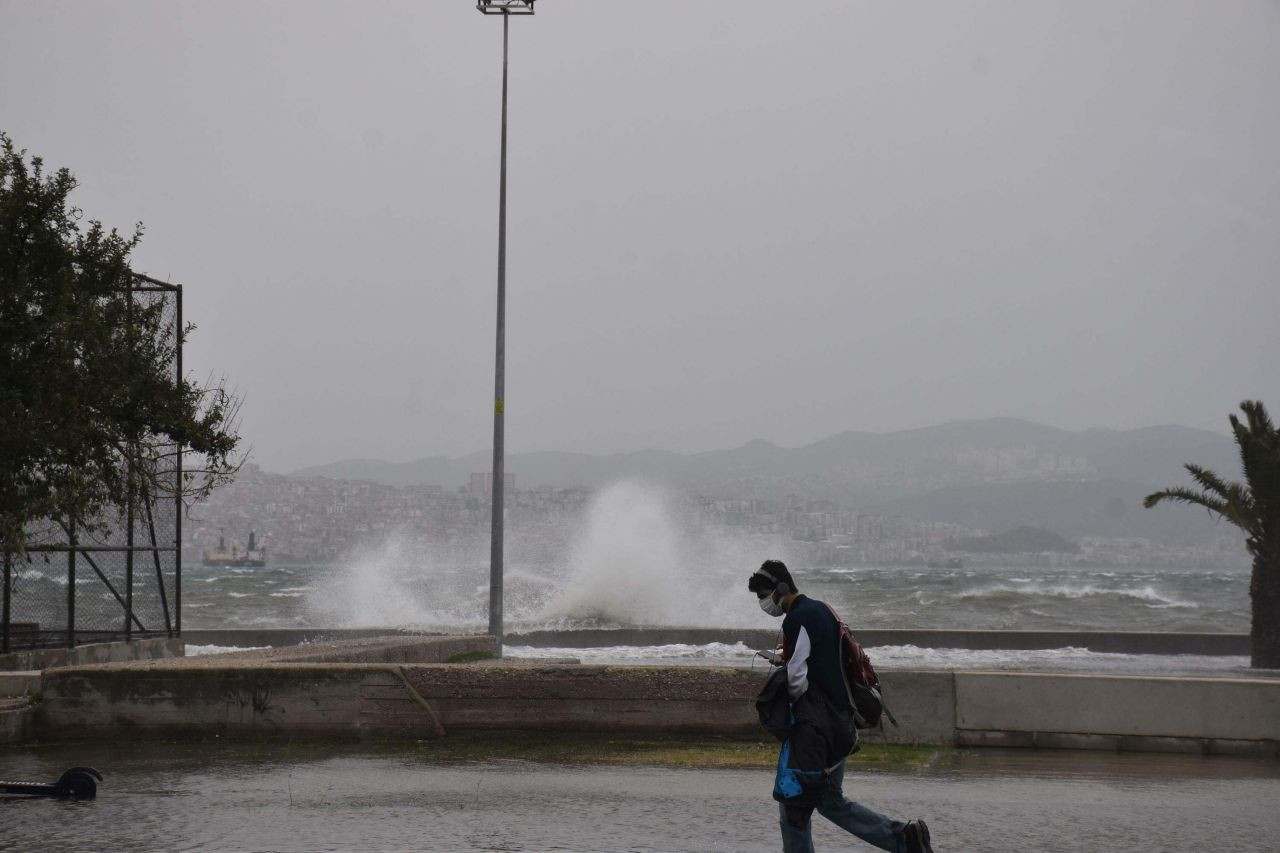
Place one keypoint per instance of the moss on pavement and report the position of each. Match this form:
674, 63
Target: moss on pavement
665, 752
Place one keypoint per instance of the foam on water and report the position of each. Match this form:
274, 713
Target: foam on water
1146, 594
194, 650
908, 657
710, 654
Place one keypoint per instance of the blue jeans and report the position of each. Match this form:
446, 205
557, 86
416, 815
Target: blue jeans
872, 827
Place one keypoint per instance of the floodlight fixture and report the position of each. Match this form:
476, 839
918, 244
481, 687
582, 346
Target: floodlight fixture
505, 7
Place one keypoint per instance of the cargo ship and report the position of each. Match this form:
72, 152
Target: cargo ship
232, 556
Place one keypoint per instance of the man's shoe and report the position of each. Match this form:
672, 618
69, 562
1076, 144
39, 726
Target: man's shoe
917, 837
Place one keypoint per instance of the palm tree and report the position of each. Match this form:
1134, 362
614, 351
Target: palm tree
1254, 507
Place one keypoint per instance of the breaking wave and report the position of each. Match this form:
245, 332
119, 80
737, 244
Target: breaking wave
1147, 594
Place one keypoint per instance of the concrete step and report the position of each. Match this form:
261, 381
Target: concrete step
21, 683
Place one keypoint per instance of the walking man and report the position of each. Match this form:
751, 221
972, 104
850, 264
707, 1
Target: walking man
822, 731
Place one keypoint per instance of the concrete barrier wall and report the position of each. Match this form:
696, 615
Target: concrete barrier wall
276, 700
16, 722
415, 701
1230, 709
639, 699
145, 649
409, 702
592, 698
923, 703
423, 700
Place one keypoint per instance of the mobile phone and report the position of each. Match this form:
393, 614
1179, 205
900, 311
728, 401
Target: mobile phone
771, 656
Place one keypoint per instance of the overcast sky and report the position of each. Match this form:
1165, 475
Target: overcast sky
773, 220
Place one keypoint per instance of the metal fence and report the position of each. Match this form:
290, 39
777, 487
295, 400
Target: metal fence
73, 587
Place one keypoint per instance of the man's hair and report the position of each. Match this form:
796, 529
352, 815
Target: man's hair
775, 569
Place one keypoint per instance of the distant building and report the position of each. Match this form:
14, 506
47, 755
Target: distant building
482, 484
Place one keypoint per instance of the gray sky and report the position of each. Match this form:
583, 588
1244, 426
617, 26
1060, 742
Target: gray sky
776, 220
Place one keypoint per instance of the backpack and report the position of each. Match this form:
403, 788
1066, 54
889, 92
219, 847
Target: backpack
860, 680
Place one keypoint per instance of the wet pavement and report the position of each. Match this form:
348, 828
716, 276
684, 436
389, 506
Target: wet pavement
296, 798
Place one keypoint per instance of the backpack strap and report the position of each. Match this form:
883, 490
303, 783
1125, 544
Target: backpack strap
884, 708
844, 676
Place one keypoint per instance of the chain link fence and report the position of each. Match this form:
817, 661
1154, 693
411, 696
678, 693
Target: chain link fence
73, 586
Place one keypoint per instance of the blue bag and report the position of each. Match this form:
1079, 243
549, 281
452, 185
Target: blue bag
789, 782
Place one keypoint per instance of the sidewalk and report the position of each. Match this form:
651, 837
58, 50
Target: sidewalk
212, 796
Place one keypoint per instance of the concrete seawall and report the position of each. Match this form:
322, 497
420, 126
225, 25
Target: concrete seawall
412, 701
387, 701
426, 700
145, 649
1222, 715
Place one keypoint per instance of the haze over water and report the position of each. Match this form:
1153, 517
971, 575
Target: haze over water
634, 561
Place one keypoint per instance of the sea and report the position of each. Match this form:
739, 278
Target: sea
996, 597
385, 593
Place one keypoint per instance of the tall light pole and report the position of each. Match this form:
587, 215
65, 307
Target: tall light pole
505, 8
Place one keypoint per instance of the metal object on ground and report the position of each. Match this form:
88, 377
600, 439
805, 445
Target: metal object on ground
79, 783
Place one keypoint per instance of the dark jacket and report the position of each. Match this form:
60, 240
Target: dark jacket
811, 648
805, 704
773, 705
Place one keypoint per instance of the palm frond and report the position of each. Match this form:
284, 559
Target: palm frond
1208, 480
1259, 443
1256, 414
1180, 495
1240, 509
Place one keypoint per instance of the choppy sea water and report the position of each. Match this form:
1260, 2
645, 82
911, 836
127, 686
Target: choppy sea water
1009, 598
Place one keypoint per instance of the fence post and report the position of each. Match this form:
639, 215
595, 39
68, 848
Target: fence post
71, 584
128, 561
129, 481
8, 585
177, 507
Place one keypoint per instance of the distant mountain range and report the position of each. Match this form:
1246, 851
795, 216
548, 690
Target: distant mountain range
994, 474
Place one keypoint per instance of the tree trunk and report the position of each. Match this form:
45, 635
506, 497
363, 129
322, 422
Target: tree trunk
1264, 590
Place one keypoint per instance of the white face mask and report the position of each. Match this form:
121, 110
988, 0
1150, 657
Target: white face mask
773, 608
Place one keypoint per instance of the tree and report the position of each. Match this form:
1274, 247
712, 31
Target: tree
91, 409
1254, 507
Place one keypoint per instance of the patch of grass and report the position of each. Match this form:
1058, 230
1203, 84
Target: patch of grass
662, 752
682, 751
468, 657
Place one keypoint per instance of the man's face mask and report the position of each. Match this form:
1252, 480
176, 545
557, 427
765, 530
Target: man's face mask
768, 605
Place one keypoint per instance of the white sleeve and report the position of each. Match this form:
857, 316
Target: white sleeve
798, 666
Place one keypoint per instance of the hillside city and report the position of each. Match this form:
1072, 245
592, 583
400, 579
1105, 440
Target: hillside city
318, 520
